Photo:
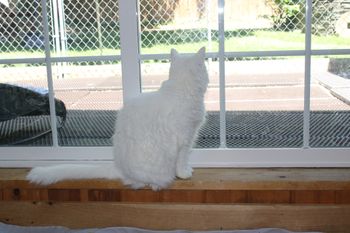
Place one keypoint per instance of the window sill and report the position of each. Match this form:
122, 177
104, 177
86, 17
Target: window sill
274, 185
296, 199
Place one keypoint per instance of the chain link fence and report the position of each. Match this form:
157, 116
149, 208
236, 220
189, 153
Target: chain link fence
88, 25
91, 26
176, 22
20, 26
74, 26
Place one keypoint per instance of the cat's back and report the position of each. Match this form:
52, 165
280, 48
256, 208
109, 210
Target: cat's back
148, 103
145, 113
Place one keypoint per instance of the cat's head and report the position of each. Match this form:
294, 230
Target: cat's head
189, 69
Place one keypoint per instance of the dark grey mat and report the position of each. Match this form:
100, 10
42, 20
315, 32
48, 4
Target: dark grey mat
245, 129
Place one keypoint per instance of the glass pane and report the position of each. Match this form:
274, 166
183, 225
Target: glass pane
153, 73
24, 106
92, 95
184, 25
330, 25
264, 25
264, 102
21, 30
84, 28
330, 102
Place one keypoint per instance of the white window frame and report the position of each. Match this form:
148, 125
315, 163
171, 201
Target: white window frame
217, 157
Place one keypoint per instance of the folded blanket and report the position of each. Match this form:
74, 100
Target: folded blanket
6, 228
26, 101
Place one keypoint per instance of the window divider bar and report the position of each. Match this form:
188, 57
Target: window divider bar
166, 56
330, 52
307, 79
22, 60
265, 53
221, 20
130, 47
49, 74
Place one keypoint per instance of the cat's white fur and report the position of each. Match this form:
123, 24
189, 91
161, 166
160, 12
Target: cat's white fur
154, 132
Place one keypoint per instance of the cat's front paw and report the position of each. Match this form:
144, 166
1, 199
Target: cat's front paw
184, 173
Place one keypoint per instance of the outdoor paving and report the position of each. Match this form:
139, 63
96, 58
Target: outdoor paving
342, 93
273, 92
336, 85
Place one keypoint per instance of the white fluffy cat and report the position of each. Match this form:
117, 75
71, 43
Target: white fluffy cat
154, 132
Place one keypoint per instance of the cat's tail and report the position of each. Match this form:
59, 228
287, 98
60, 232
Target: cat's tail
53, 174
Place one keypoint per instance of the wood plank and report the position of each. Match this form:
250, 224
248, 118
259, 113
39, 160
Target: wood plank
266, 196
325, 218
104, 195
225, 196
214, 179
180, 196
316, 186
183, 196
142, 195
84, 195
25, 194
64, 194
314, 197
342, 197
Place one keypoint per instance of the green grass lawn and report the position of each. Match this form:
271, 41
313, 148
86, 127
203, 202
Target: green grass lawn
255, 41
261, 41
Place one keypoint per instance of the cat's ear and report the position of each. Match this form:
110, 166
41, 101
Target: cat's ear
201, 54
173, 54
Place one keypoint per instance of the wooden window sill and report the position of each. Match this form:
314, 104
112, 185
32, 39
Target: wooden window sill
282, 185
293, 199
